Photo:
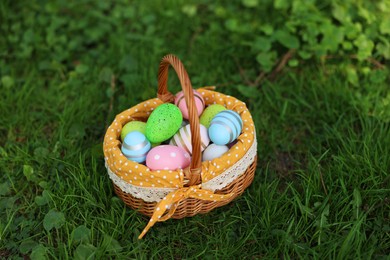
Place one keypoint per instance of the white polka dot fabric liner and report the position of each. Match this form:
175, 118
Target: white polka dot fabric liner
217, 183
137, 179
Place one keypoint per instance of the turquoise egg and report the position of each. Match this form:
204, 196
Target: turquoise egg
225, 127
163, 123
135, 146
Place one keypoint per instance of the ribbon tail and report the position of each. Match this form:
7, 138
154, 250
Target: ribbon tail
172, 200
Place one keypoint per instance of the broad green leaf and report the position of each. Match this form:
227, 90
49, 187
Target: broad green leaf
332, 37
340, 13
304, 54
365, 70
5, 188
41, 153
267, 29
249, 92
44, 184
110, 92
250, 3
232, 24
293, 62
287, 39
220, 11
352, 76
27, 245
82, 69
39, 253
128, 12
7, 202
44, 199
40, 200
7, 81
369, 16
261, 44
105, 75
189, 10
281, 4
384, 6
347, 45
365, 47
83, 252
148, 18
352, 31
384, 27
378, 76
112, 244
81, 233
384, 50
266, 60
53, 219
28, 171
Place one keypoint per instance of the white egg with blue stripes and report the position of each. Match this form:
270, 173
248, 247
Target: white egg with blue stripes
225, 127
135, 146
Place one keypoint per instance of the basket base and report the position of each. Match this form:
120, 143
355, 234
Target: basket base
193, 206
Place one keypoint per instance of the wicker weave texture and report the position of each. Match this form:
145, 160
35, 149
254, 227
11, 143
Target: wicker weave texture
191, 206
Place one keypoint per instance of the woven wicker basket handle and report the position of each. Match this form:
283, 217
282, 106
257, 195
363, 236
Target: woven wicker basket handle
193, 173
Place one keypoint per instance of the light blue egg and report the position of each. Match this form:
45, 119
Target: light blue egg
135, 146
225, 127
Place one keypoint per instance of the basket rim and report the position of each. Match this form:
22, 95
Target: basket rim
140, 111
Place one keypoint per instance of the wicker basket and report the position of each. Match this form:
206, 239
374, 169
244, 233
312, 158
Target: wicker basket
182, 193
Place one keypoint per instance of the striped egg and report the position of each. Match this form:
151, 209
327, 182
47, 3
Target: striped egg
225, 127
183, 138
135, 146
181, 103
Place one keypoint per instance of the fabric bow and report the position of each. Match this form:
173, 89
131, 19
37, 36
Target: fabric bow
171, 202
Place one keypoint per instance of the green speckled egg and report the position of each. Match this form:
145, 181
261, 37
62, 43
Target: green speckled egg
163, 123
209, 113
135, 126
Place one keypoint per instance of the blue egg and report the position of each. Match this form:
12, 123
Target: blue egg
135, 146
225, 127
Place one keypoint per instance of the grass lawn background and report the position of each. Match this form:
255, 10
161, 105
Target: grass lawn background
321, 188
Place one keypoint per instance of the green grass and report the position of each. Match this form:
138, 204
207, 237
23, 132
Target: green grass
321, 188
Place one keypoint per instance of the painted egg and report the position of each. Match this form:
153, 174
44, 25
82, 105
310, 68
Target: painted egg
184, 123
131, 127
183, 138
135, 146
214, 151
181, 103
209, 113
163, 123
225, 127
167, 157
135, 126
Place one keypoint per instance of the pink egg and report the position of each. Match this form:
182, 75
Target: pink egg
181, 103
183, 138
167, 157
